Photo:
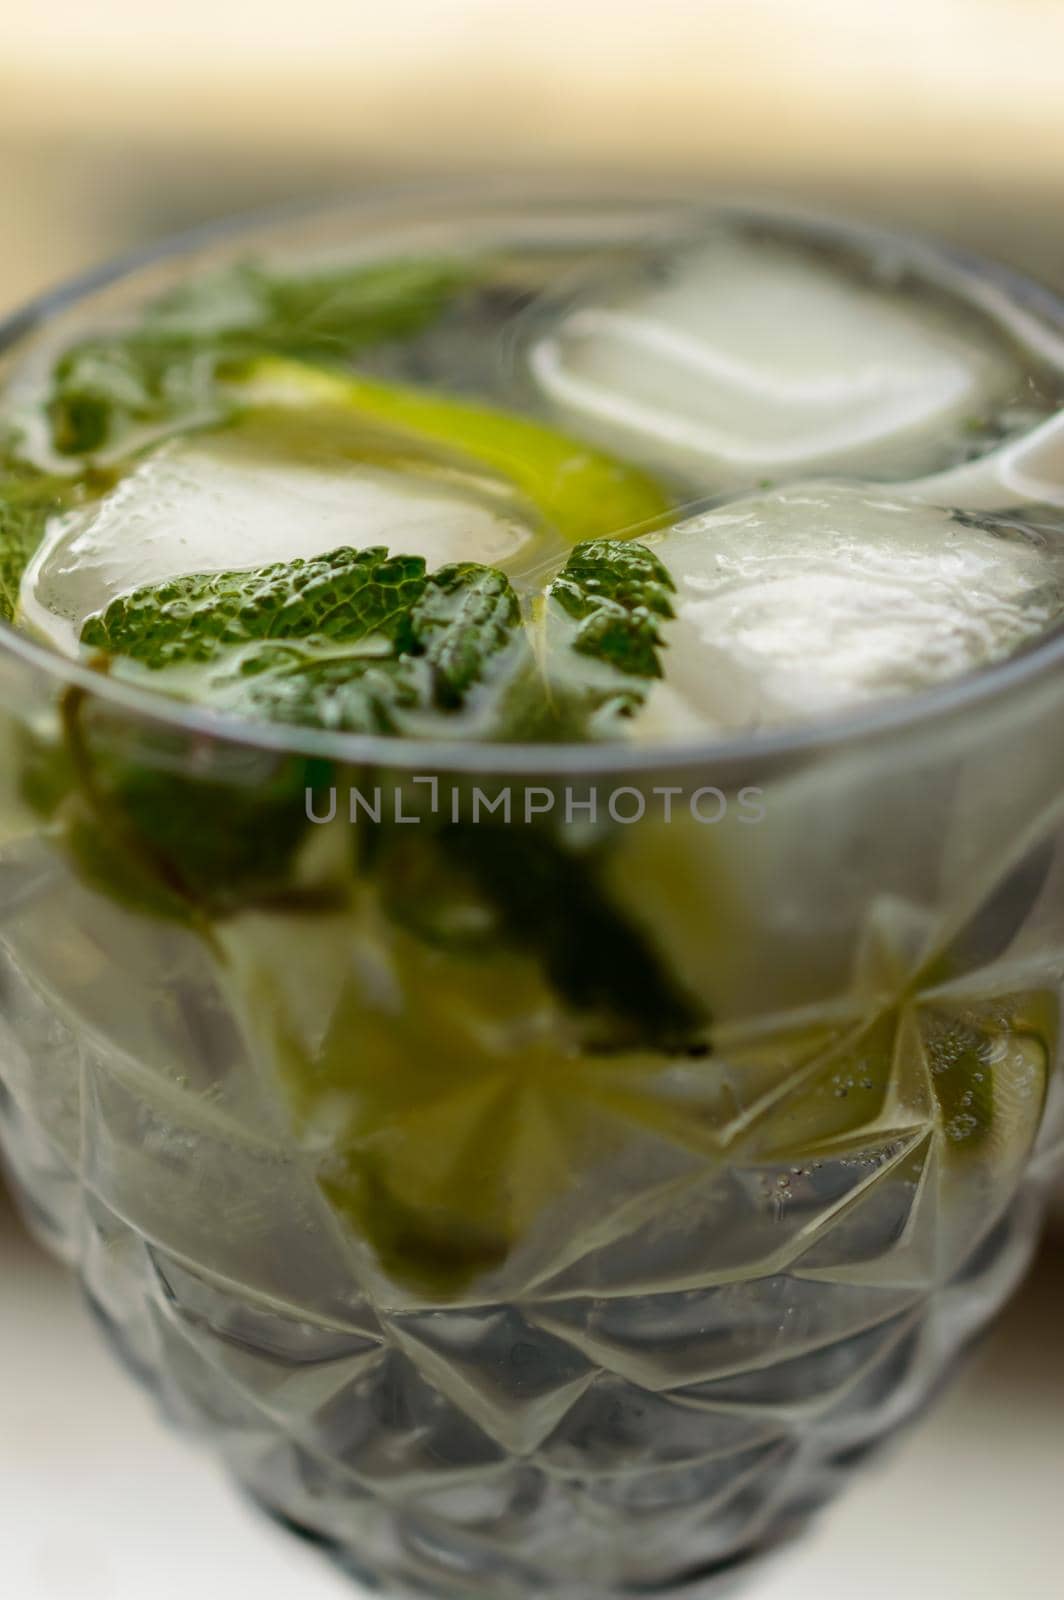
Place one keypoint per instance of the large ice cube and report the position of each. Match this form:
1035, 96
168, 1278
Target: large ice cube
798, 602
750, 357
237, 499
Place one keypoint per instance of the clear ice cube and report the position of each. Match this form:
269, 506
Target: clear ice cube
748, 358
797, 603
234, 500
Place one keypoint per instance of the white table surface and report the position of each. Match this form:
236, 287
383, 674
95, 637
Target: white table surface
98, 1501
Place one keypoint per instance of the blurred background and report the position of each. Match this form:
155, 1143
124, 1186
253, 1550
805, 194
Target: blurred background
121, 122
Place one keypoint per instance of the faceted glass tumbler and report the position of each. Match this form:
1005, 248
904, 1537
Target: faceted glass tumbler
483, 1304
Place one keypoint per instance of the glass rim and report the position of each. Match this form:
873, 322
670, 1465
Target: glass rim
921, 711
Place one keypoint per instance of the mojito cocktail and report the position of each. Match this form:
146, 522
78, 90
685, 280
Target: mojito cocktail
532, 920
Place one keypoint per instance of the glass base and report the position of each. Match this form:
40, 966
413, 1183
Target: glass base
358, 1442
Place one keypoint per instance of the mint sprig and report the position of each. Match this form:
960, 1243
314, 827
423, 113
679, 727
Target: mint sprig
164, 372
362, 640
366, 641
357, 640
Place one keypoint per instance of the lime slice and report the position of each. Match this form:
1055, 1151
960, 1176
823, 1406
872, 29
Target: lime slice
582, 492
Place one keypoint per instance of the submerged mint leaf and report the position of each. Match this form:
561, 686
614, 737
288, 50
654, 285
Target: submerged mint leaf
340, 597
546, 899
141, 826
339, 693
164, 371
553, 904
184, 847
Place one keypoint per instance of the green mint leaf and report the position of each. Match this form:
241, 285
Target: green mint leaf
27, 500
189, 849
164, 371
619, 593
340, 694
105, 388
341, 597
342, 311
353, 640
602, 637
466, 615
457, 638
